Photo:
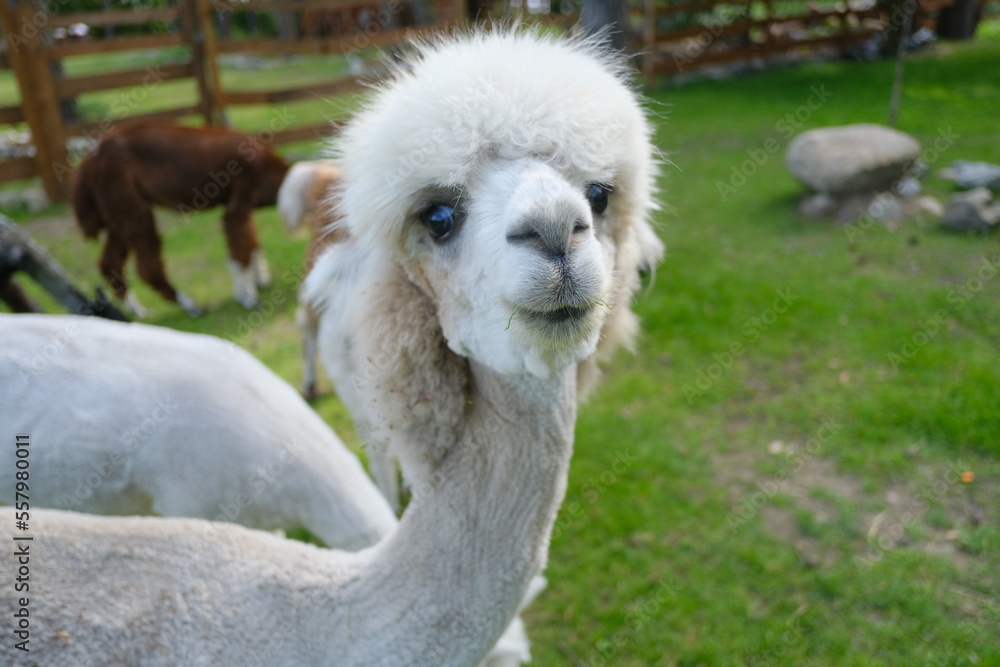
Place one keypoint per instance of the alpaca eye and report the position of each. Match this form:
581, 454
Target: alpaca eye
597, 195
440, 221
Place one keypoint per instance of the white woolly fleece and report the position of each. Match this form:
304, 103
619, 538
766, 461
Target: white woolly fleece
135, 419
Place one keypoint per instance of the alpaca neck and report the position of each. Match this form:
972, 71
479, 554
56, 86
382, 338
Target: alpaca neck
460, 563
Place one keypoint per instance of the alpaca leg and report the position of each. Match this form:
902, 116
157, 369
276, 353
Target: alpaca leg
309, 325
133, 305
241, 237
112, 266
244, 286
261, 272
149, 261
512, 649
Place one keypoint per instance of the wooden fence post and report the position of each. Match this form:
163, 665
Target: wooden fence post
25, 27
196, 25
649, 43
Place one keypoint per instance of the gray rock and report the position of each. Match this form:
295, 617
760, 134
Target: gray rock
818, 206
851, 208
972, 211
886, 208
928, 205
969, 175
907, 187
851, 158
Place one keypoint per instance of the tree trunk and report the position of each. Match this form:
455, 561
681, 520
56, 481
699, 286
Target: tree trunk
959, 21
610, 15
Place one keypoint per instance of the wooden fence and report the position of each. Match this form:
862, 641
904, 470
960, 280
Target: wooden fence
679, 37
189, 27
671, 36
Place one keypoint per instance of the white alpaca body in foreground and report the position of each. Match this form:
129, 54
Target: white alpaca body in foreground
151, 420
500, 219
142, 591
133, 419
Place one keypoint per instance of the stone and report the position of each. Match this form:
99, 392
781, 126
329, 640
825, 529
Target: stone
971, 211
851, 208
907, 187
817, 206
968, 175
886, 208
851, 158
928, 205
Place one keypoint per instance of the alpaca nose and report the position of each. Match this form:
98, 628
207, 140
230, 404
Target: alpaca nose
551, 228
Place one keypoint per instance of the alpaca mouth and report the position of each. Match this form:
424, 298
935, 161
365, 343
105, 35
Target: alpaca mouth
559, 314
568, 315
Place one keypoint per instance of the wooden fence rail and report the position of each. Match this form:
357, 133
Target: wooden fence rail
671, 38
717, 32
36, 57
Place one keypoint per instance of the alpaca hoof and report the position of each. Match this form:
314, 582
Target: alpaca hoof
244, 285
134, 306
188, 305
309, 392
248, 302
261, 272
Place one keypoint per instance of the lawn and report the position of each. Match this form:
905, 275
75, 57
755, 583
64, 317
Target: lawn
776, 476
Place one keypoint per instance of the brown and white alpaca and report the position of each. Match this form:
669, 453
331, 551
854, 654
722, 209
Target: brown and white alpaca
304, 199
157, 163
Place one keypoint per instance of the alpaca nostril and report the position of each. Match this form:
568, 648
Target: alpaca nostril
525, 236
551, 246
552, 237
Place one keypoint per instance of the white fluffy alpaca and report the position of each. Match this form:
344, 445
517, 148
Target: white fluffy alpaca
529, 206
133, 419
155, 421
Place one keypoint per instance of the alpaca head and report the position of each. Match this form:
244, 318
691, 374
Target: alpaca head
510, 175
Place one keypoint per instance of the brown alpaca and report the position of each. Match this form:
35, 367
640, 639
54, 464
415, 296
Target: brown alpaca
157, 163
305, 198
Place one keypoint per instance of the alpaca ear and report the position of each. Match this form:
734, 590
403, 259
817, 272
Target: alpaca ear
412, 388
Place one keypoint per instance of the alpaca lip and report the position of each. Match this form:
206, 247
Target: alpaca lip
558, 315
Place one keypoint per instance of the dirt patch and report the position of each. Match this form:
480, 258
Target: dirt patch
807, 502
52, 227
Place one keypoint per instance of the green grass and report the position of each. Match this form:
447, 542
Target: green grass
708, 543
